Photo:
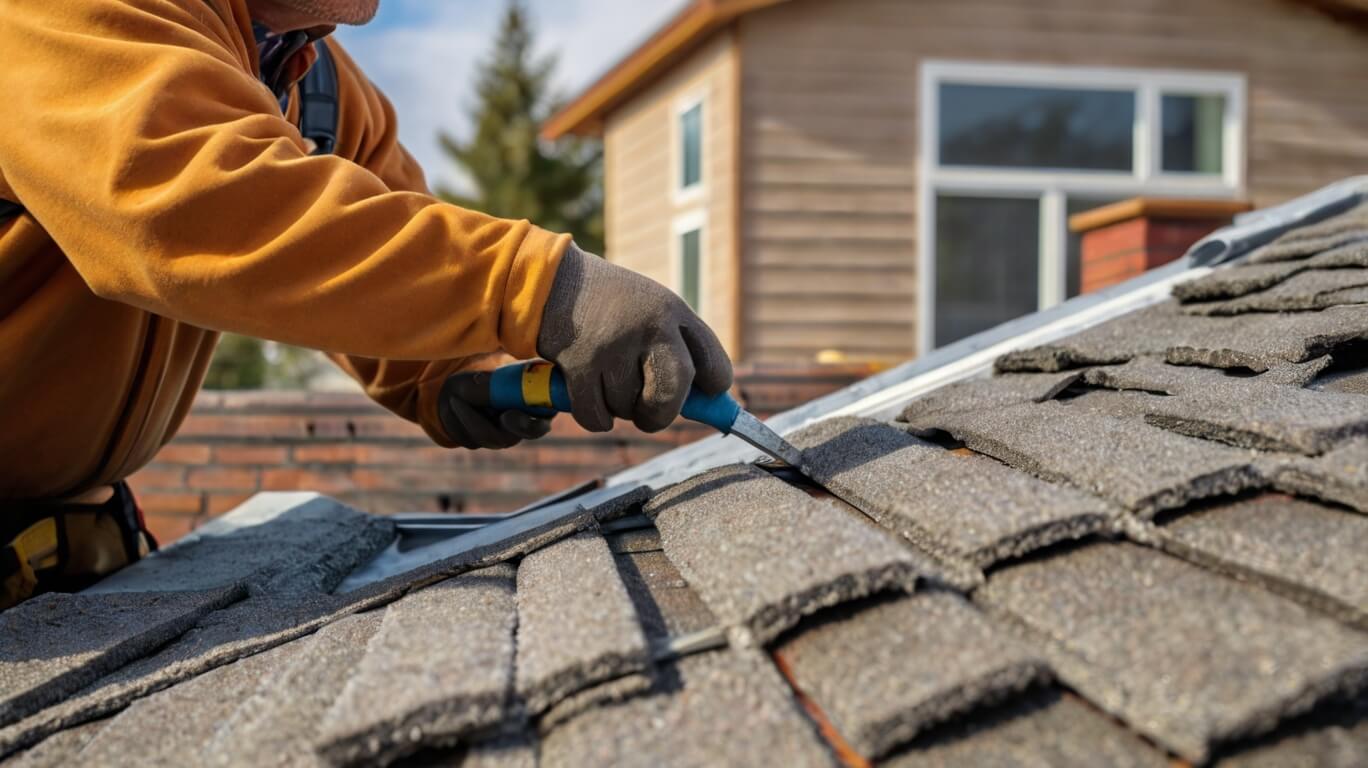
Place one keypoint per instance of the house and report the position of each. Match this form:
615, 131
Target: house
874, 179
1124, 531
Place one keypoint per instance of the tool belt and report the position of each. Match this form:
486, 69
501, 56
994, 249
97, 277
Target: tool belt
57, 547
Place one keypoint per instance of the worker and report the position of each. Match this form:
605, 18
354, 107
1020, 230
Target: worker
156, 189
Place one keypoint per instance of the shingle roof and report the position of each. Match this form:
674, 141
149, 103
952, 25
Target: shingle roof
1141, 542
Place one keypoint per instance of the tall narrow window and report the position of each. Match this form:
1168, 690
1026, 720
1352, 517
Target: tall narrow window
690, 267
1193, 132
691, 147
987, 264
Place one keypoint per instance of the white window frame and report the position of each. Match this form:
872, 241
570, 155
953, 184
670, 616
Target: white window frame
682, 225
694, 192
1053, 187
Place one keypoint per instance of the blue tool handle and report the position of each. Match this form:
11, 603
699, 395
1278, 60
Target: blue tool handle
532, 388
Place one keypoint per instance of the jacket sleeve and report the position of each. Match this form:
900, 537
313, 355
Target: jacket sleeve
136, 135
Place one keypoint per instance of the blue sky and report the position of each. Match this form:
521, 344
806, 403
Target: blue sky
423, 55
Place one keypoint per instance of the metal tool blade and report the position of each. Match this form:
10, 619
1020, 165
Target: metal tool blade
754, 431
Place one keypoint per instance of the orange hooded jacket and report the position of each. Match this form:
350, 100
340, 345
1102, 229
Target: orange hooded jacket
167, 198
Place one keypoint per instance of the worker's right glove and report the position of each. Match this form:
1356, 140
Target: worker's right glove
630, 348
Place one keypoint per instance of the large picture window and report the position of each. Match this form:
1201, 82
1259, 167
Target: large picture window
1008, 152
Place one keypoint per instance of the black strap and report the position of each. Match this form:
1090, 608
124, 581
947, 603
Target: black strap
9, 210
318, 102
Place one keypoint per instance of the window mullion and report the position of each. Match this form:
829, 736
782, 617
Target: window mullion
1148, 132
1053, 237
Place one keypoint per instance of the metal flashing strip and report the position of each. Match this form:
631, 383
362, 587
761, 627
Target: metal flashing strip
1257, 228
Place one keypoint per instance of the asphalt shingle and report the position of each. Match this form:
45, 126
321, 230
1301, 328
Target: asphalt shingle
1351, 382
1046, 729
276, 726
1256, 341
1143, 468
995, 392
1340, 476
888, 671
763, 554
1313, 553
576, 623
665, 603
1191, 658
440, 667
169, 727
58, 750
300, 549
1312, 289
55, 644
1243, 279
720, 708
966, 507
1249, 412
1305, 245
1337, 741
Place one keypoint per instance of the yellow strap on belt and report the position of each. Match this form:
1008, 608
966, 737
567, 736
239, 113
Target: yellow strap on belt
37, 545
536, 384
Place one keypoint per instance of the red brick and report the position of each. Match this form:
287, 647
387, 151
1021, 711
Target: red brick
224, 479
250, 454
294, 479
380, 426
159, 477
168, 528
326, 453
216, 504
169, 503
257, 427
585, 453
183, 453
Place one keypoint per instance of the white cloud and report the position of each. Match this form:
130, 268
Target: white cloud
423, 55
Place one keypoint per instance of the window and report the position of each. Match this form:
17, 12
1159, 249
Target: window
691, 147
1008, 152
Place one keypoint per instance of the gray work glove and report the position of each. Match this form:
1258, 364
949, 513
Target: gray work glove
463, 407
629, 347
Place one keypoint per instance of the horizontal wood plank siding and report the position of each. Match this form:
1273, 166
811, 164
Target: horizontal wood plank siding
829, 132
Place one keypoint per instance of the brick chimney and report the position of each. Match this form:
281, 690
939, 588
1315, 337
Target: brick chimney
1125, 239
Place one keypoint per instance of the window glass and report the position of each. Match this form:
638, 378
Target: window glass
1004, 126
987, 263
691, 153
1193, 133
1073, 258
690, 246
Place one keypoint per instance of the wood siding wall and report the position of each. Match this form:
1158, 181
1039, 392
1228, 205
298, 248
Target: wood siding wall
640, 174
829, 133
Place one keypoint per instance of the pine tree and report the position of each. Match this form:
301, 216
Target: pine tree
514, 173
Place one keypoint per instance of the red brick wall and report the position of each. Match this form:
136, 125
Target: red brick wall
236, 444
1116, 253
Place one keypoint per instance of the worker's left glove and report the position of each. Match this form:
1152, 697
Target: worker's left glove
463, 407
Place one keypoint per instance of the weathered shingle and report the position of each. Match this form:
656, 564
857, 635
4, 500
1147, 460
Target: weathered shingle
1246, 412
762, 554
886, 672
665, 603
58, 750
1312, 289
965, 507
720, 708
169, 727
1315, 552
576, 622
1043, 730
1187, 656
440, 667
1143, 468
995, 392
1340, 476
1242, 279
277, 725
55, 644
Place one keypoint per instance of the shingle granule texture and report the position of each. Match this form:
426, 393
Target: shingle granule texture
641, 540
1340, 476
665, 603
763, 554
1189, 657
1248, 278
965, 507
1256, 341
720, 708
55, 644
1312, 289
1297, 374
169, 727
1312, 553
308, 549
1354, 382
1045, 729
58, 750
1144, 469
890, 670
1303, 247
1246, 412
576, 623
995, 392
1338, 740
277, 725
440, 667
